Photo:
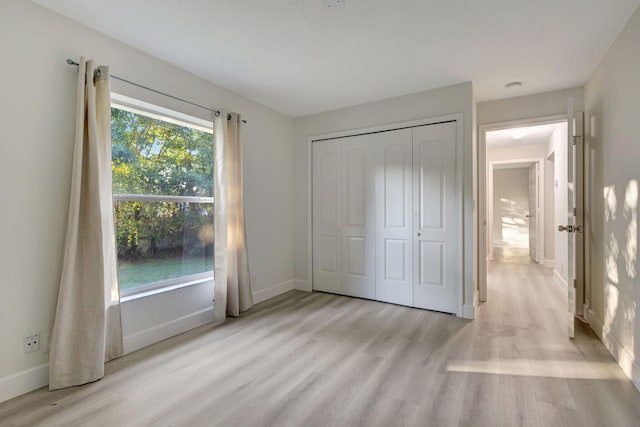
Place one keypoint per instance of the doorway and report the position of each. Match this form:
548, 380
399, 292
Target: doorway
514, 203
523, 198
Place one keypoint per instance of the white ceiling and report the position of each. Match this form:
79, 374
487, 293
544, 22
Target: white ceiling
532, 135
302, 57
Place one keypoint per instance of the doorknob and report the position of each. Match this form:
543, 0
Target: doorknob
418, 234
571, 228
527, 216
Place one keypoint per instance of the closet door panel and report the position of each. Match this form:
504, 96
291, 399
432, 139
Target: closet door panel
358, 217
393, 182
326, 214
435, 208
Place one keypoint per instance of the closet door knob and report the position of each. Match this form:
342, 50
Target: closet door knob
418, 234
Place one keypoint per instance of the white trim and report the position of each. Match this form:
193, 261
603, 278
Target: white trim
461, 211
458, 118
24, 382
559, 280
157, 333
388, 127
625, 359
162, 286
483, 236
468, 311
594, 322
549, 263
273, 291
303, 285
309, 214
137, 106
161, 198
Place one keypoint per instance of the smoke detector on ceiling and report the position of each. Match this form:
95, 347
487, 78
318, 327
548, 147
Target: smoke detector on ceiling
334, 4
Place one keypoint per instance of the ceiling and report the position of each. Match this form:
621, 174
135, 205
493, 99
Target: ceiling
528, 135
301, 57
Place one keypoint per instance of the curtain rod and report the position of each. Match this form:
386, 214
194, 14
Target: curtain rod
216, 112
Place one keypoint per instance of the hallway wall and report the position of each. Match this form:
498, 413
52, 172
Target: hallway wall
612, 100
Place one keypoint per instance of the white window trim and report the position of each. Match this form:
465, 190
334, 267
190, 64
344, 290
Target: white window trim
133, 105
165, 286
136, 106
160, 198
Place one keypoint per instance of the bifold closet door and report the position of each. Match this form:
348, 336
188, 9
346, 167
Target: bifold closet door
326, 213
385, 216
394, 231
435, 208
343, 217
358, 217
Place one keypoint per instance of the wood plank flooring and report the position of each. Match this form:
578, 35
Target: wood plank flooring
316, 359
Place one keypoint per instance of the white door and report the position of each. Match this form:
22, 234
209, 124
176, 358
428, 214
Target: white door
358, 217
435, 209
326, 214
574, 227
533, 212
394, 228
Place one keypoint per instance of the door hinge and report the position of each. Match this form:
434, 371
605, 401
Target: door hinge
575, 283
575, 139
574, 212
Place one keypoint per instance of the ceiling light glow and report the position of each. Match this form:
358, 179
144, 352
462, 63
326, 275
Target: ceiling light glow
518, 133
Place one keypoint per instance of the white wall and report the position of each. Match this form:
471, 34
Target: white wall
557, 146
438, 102
530, 106
515, 152
37, 117
510, 205
612, 99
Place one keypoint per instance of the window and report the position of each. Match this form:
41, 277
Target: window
163, 200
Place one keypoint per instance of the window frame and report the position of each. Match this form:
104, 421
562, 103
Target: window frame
136, 106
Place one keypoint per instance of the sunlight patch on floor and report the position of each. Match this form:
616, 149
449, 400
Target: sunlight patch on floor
568, 369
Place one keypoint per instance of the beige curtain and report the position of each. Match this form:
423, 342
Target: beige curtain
87, 329
231, 272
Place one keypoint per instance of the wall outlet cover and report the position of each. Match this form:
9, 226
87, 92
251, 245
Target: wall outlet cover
31, 342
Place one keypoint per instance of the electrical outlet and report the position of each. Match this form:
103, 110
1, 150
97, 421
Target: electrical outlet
31, 342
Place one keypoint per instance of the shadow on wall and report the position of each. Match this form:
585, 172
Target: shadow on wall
621, 271
514, 224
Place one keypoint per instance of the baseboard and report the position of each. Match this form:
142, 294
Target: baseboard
594, 322
166, 330
625, 360
557, 278
549, 263
303, 285
468, 311
273, 291
24, 382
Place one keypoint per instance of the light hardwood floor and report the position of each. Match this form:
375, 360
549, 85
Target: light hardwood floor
323, 360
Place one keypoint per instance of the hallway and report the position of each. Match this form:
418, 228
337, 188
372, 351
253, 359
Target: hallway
541, 376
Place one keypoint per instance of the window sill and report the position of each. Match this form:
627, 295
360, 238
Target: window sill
168, 288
